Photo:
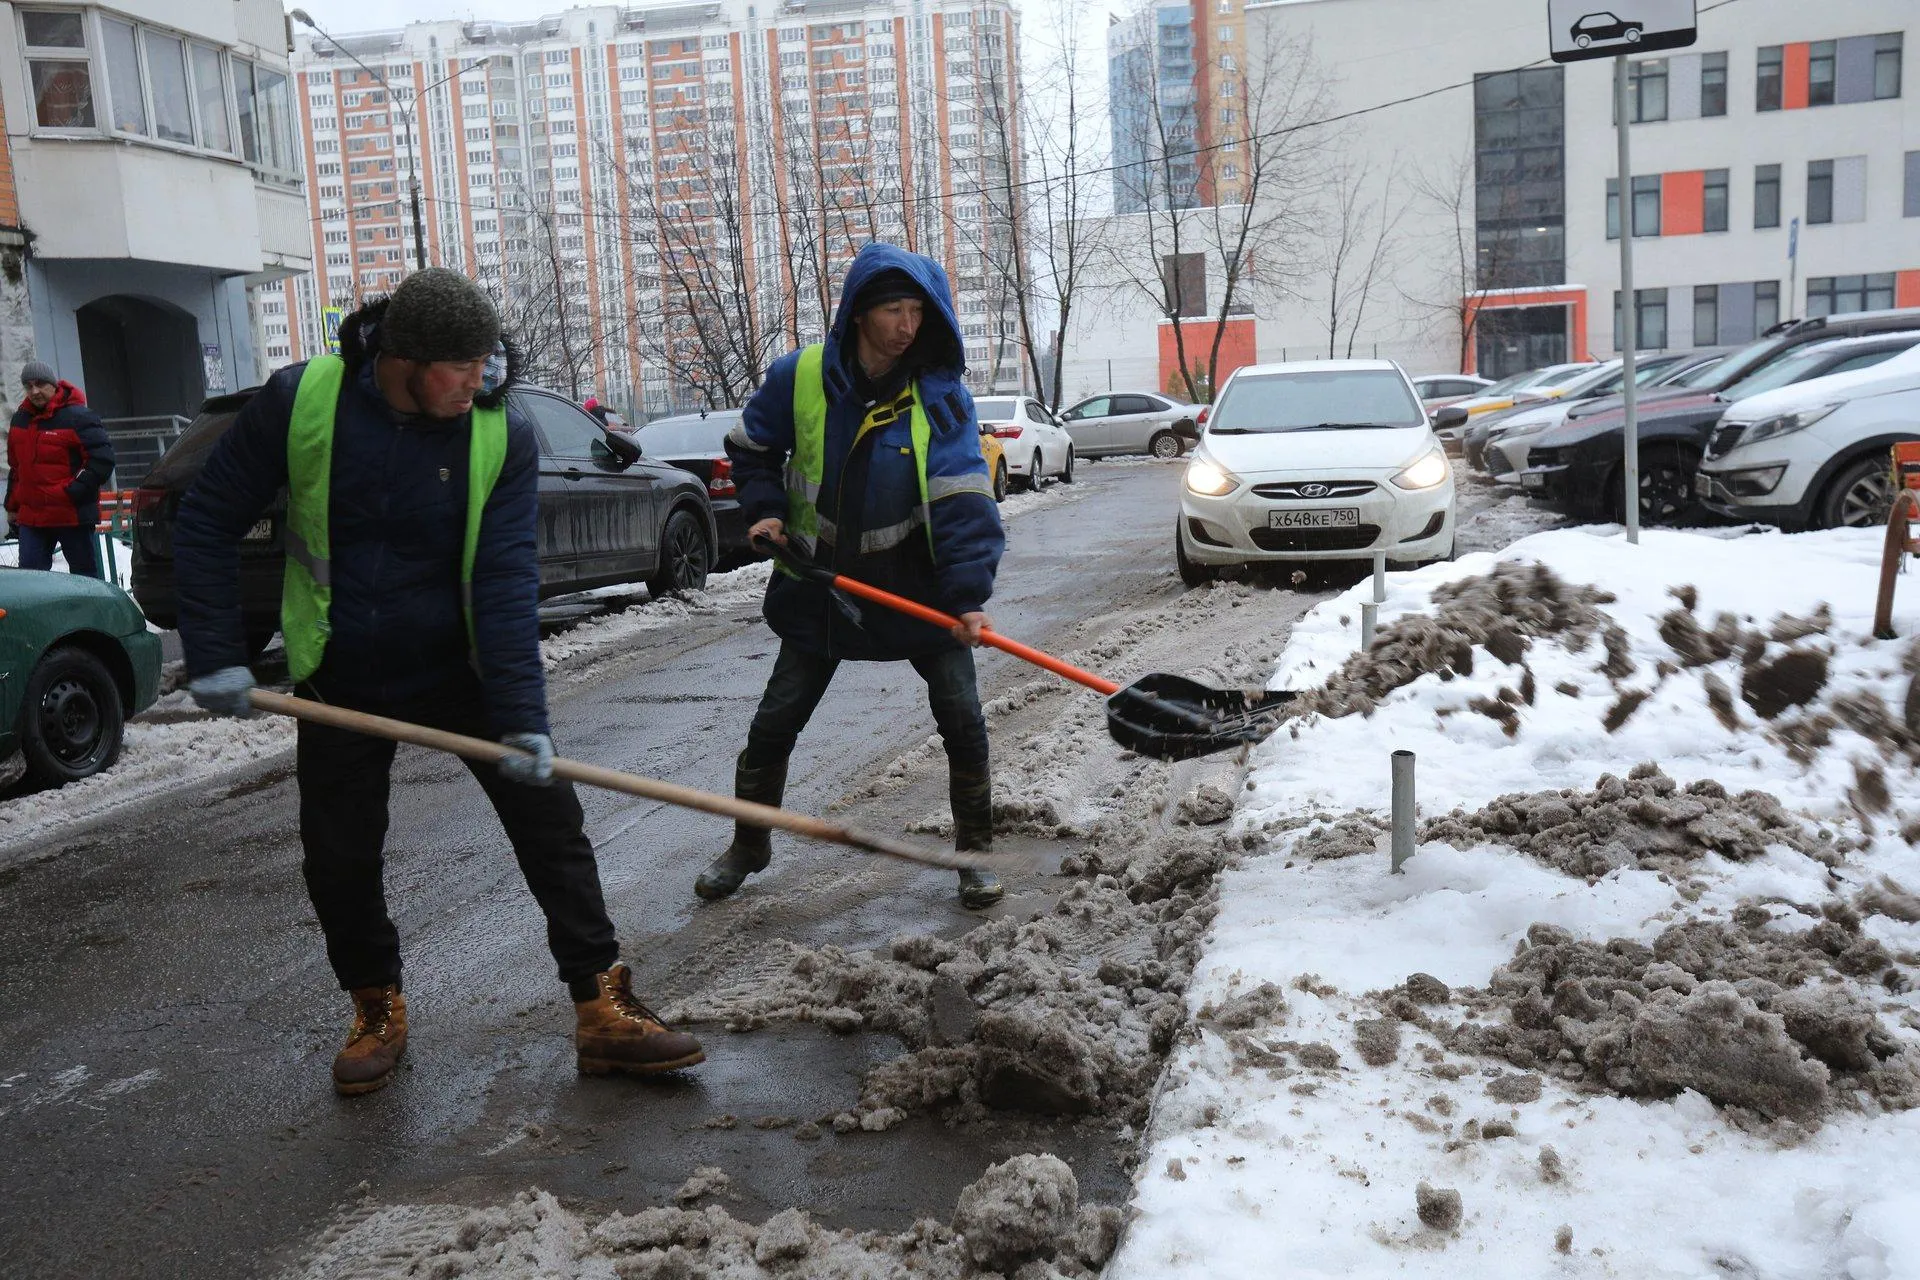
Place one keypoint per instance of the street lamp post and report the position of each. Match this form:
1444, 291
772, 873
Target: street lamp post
408, 121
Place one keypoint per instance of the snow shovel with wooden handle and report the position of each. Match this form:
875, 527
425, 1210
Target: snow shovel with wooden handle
1166, 716
632, 784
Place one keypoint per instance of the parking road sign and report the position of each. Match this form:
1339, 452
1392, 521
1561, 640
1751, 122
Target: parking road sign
1581, 29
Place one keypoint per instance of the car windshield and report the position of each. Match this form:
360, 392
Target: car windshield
1513, 383
1600, 378
996, 409
1697, 376
1315, 401
670, 437
1808, 362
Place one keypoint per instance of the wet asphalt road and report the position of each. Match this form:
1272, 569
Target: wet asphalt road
167, 1017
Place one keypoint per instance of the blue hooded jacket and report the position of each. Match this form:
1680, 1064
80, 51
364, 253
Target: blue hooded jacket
870, 482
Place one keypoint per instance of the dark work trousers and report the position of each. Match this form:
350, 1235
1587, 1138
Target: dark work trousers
343, 826
76, 541
800, 680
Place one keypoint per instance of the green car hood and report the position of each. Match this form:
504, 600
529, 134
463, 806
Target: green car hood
41, 607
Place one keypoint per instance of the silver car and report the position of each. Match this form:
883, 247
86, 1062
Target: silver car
1129, 422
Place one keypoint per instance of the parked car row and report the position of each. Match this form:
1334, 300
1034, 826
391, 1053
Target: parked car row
1578, 465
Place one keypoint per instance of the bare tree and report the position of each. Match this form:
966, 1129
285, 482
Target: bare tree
539, 287
1239, 209
1357, 247
1473, 252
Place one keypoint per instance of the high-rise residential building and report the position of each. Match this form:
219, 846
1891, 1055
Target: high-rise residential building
1175, 77
664, 199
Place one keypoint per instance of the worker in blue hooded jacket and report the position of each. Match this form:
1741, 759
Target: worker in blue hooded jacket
863, 454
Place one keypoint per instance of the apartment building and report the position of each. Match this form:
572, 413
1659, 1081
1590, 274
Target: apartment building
149, 180
663, 199
1175, 77
1776, 174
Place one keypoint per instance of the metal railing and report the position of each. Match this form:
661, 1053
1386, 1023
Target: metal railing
138, 444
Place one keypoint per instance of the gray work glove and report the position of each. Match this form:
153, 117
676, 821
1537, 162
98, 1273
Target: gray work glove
224, 692
535, 769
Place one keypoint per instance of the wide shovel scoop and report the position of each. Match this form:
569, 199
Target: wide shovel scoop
1166, 716
632, 784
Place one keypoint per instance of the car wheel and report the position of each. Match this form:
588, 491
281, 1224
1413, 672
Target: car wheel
1859, 496
999, 479
684, 556
1031, 481
1066, 472
71, 720
1583, 42
1633, 35
1194, 575
1164, 444
1666, 487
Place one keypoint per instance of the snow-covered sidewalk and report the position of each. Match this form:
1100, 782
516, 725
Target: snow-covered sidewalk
1634, 1019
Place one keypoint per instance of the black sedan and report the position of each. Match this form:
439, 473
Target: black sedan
1577, 466
697, 443
607, 515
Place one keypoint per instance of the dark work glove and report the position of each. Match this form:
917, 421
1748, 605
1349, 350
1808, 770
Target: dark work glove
224, 692
535, 768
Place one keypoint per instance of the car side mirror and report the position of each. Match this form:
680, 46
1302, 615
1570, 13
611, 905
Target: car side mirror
1449, 416
622, 449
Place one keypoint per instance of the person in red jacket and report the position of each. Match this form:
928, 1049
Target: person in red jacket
58, 457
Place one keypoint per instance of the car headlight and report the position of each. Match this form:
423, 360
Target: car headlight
1429, 471
1210, 481
1519, 431
1787, 423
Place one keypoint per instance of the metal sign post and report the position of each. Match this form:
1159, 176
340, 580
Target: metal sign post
1577, 31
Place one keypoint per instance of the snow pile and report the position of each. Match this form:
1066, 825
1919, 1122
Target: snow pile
1023, 1213
736, 591
1642, 1002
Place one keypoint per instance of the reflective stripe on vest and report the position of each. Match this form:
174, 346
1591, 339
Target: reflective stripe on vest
306, 596
806, 468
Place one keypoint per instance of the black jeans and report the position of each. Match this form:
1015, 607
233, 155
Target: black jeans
36, 548
800, 680
344, 780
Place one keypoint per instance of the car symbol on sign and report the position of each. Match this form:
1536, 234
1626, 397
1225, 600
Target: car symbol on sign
1604, 26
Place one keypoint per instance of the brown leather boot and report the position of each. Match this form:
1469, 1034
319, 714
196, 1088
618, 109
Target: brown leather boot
618, 1033
374, 1046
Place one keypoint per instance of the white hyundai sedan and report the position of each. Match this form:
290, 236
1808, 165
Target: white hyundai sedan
1316, 460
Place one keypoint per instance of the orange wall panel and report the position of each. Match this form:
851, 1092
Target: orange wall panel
1683, 203
1796, 76
9, 197
1906, 289
1237, 349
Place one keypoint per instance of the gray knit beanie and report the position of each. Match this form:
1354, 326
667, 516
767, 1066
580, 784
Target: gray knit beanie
438, 314
37, 371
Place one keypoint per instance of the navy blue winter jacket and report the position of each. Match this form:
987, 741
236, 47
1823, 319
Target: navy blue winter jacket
397, 526
869, 483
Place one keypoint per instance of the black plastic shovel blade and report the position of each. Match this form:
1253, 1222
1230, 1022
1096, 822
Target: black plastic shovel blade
1173, 718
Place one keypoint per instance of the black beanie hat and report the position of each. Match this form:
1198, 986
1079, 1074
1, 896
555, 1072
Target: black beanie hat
888, 286
439, 314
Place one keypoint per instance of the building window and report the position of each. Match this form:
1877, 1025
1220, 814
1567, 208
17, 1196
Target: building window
1886, 65
1839, 295
1766, 305
1706, 315
1713, 84
1770, 78
1911, 201
1520, 178
57, 66
1646, 206
1714, 204
1650, 311
1819, 192
123, 76
1766, 196
1613, 208
1821, 59
1647, 89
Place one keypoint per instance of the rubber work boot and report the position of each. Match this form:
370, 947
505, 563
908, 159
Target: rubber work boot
618, 1033
752, 846
970, 791
374, 1046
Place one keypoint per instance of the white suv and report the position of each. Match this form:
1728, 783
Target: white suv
1814, 455
1316, 460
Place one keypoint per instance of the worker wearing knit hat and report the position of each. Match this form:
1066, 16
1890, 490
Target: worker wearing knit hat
439, 314
38, 371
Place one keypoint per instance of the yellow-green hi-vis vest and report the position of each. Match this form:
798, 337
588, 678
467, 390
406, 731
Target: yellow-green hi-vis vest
808, 463
307, 594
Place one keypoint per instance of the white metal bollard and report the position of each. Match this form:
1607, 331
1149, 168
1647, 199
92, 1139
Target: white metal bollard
1370, 610
1402, 809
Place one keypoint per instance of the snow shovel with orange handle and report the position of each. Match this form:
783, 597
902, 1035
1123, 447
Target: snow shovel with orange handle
1166, 716
632, 784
